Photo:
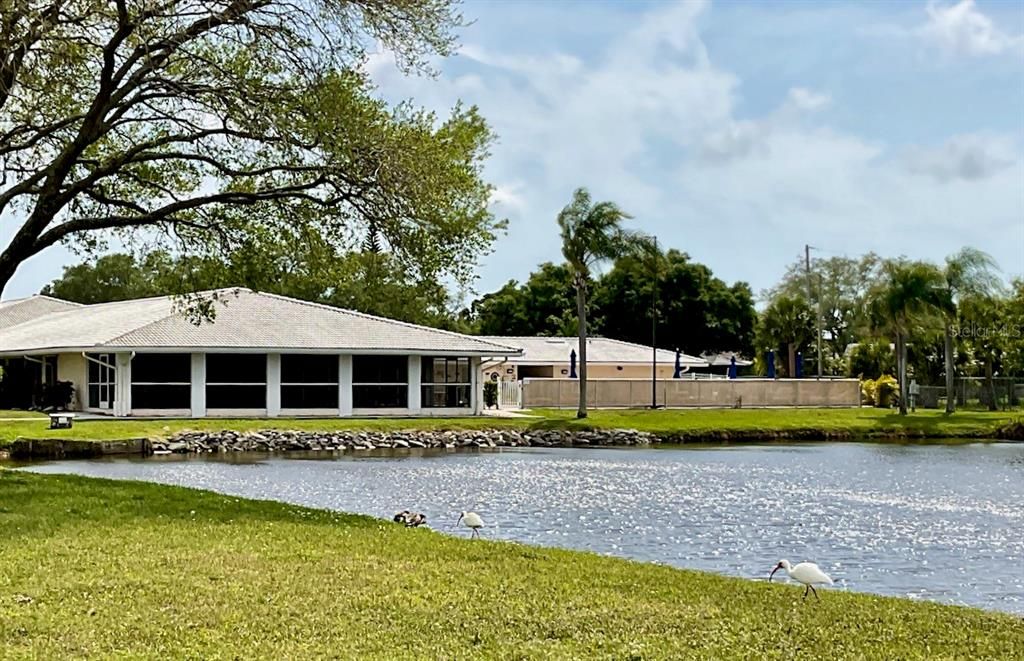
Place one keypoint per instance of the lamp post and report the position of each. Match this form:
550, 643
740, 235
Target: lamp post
810, 294
654, 326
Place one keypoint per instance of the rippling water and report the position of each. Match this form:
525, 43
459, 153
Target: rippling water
942, 522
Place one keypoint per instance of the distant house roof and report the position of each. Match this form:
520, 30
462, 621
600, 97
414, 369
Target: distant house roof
724, 359
244, 320
20, 310
555, 350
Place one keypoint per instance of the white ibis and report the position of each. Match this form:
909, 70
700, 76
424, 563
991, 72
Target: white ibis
472, 521
807, 573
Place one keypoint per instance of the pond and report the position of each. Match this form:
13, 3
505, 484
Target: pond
927, 521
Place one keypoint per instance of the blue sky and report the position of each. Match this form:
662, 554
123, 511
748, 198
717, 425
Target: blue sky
739, 131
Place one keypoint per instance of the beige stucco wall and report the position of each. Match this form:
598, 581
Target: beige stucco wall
72, 367
678, 393
594, 371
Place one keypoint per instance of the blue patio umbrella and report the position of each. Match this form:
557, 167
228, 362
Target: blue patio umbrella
732, 367
679, 368
771, 364
799, 365
572, 364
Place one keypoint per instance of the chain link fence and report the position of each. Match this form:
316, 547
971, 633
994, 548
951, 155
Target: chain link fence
976, 393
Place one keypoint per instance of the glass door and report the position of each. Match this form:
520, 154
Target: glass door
102, 379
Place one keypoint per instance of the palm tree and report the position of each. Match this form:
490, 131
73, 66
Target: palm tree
907, 290
968, 273
591, 233
788, 320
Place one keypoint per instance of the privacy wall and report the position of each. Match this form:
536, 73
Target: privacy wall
679, 393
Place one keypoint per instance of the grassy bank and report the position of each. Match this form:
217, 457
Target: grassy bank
683, 425
724, 424
95, 568
6, 414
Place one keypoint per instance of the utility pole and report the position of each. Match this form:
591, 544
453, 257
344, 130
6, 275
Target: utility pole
654, 327
810, 294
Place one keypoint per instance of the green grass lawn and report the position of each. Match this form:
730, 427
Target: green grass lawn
688, 424
17, 413
859, 421
100, 569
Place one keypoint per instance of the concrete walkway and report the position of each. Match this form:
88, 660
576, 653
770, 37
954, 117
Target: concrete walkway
506, 413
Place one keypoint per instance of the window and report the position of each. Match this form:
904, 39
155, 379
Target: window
446, 383
101, 380
162, 381
380, 382
236, 381
309, 381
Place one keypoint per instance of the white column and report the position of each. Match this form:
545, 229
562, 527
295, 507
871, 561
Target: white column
273, 385
476, 392
122, 384
415, 363
345, 385
198, 404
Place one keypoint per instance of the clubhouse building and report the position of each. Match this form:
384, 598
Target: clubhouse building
261, 355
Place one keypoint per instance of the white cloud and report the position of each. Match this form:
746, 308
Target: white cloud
508, 198
804, 99
961, 29
737, 140
966, 157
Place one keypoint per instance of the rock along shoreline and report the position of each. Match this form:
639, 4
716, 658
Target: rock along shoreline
289, 441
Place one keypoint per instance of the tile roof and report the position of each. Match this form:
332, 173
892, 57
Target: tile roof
724, 359
244, 320
20, 310
547, 350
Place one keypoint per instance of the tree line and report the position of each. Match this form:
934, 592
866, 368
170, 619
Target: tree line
911, 319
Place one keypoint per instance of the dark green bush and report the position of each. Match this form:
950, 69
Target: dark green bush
490, 394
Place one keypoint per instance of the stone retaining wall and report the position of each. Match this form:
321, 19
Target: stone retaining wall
281, 441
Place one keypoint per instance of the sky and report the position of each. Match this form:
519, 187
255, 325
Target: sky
738, 131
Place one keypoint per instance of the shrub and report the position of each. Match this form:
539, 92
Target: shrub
490, 394
57, 396
878, 392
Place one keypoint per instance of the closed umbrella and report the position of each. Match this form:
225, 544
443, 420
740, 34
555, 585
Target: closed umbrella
771, 364
679, 368
572, 364
732, 367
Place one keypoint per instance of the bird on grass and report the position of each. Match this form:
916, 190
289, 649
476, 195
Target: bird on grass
807, 573
472, 521
410, 519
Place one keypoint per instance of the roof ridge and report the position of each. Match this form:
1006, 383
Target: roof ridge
143, 326
58, 300
45, 297
170, 299
364, 315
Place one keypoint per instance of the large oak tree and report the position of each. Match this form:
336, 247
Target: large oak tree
182, 122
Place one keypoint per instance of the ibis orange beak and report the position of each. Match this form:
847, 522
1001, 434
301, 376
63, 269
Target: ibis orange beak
777, 568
